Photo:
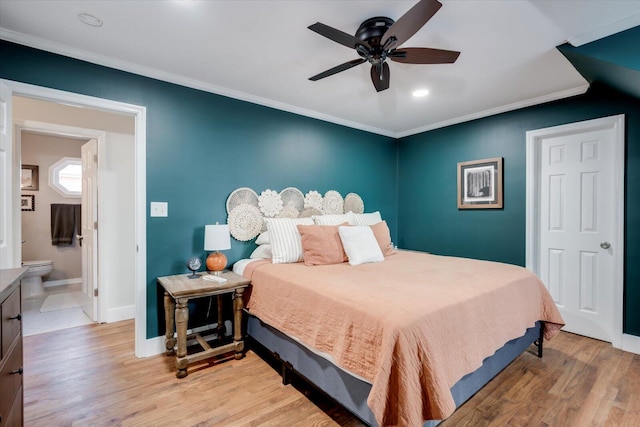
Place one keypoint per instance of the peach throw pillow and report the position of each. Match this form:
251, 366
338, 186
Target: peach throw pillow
383, 236
321, 244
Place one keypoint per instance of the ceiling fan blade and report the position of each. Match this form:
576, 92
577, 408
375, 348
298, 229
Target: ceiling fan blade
409, 23
380, 76
337, 69
423, 55
337, 36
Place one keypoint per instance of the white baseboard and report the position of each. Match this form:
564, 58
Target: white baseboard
62, 282
121, 313
152, 346
631, 343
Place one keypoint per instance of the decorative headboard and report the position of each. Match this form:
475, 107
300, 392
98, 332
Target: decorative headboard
246, 209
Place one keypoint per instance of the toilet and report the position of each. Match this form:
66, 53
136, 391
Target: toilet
32, 279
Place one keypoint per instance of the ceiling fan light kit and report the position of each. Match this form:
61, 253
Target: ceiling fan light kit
378, 39
420, 93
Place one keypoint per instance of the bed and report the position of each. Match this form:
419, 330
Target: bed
400, 342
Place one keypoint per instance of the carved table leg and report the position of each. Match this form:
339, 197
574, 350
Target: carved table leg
182, 318
169, 309
238, 305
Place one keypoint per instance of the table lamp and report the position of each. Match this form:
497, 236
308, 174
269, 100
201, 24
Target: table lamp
216, 238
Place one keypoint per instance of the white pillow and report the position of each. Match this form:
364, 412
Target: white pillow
263, 238
286, 243
262, 252
334, 219
367, 218
360, 244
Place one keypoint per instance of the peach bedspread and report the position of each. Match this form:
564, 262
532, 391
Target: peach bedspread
412, 325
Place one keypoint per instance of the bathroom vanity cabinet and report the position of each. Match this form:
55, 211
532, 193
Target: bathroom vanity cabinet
11, 393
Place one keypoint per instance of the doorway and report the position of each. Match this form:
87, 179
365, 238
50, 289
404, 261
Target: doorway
54, 295
575, 222
10, 192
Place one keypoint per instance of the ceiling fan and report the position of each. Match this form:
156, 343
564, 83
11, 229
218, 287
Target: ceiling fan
378, 39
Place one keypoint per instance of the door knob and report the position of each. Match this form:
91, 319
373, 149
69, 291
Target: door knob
605, 245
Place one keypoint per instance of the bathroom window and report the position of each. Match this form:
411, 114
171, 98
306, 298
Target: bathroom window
65, 176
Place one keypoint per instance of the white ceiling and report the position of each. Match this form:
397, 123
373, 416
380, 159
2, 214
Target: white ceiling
262, 52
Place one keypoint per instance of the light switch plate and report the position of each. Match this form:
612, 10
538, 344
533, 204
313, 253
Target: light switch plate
160, 209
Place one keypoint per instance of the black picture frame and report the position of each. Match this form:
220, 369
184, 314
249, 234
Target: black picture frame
28, 202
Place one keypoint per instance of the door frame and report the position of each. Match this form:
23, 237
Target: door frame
71, 132
533, 214
143, 347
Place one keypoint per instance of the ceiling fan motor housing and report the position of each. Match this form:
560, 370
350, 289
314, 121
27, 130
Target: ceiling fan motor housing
371, 32
372, 29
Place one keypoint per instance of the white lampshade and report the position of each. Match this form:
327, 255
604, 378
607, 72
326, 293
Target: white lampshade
216, 237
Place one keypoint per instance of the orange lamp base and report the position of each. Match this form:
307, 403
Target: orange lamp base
216, 262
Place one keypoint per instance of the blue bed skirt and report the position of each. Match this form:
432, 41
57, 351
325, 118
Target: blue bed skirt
352, 392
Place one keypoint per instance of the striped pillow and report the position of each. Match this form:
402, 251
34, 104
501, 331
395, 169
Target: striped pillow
334, 219
367, 218
286, 243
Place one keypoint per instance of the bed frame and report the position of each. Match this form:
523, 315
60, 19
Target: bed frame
352, 392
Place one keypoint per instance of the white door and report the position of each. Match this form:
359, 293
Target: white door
89, 223
8, 175
578, 242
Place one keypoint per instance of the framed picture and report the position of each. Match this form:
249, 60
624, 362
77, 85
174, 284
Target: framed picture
29, 178
28, 202
480, 184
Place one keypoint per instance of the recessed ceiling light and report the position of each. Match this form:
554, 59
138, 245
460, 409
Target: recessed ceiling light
89, 19
420, 93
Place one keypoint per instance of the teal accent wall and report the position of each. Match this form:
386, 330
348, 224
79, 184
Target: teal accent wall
202, 146
429, 219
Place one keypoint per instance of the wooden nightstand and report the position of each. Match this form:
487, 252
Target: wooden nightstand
179, 289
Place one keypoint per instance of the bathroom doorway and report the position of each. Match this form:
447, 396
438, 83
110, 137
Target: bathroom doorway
104, 287
51, 235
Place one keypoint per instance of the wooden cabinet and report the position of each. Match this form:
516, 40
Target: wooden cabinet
11, 395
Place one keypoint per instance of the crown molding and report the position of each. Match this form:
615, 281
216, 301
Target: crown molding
110, 62
605, 31
578, 90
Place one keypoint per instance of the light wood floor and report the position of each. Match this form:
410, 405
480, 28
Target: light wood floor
89, 376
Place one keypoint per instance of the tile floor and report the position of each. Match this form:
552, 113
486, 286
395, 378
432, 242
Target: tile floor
36, 322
